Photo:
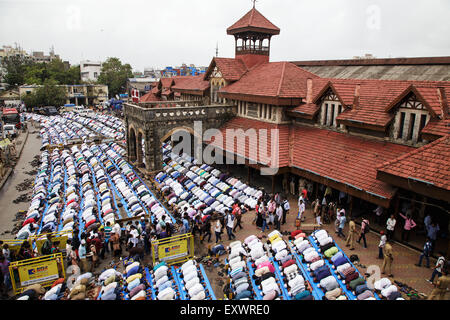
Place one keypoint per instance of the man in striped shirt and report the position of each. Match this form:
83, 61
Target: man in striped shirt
107, 230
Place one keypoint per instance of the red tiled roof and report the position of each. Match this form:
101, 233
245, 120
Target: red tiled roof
166, 92
437, 127
231, 69
192, 83
308, 110
155, 90
347, 159
274, 79
149, 97
429, 164
166, 82
377, 95
253, 20
277, 158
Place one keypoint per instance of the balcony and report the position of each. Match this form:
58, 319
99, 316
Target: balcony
253, 50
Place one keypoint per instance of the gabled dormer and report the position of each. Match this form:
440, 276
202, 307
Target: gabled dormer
412, 112
331, 105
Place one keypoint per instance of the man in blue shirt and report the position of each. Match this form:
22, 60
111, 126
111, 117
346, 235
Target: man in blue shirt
433, 230
342, 220
186, 222
426, 253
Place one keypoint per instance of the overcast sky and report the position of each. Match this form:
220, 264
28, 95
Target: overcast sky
150, 33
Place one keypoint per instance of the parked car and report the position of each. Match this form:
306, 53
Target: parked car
10, 129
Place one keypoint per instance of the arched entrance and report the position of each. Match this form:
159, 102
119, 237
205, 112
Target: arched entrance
132, 155
184, 139
140, 149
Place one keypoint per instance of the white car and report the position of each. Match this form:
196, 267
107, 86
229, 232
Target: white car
10, 129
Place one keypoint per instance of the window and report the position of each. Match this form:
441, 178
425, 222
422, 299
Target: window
333, 107
412, 123
326, 114
423, 122
402, 125
270, 113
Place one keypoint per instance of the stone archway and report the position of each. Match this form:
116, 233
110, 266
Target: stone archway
196, 139
140, 145
132, 152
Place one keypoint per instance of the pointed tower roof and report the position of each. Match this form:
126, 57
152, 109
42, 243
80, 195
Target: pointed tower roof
253, 21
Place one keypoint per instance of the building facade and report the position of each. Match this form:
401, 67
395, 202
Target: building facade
90, 70
85, 94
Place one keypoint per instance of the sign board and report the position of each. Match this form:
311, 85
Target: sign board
36, 273
43, 270
173, 250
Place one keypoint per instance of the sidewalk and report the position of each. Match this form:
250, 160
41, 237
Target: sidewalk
23, 137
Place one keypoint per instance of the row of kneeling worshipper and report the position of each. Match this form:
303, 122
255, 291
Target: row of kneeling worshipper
110, 121
140, 200
192, 188
59, 192
193, 282
261, 271
95, 125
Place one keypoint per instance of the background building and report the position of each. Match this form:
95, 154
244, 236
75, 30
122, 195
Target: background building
85, 94
90, 70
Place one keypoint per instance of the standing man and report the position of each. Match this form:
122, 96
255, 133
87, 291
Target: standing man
230, 225
432, 233
341, 219
278, 216
441, 286
378, 213
82, 255
238, 215
107, 230
407, 227
186, 223
381, 245
440, 263
301, 209
388, 259
426, 253
286, 208
292, 186
218, 230
390, 226
364, 230
351, 234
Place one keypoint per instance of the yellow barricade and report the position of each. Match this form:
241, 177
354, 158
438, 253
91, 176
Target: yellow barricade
59, 238
173, 250
14, 245
43, 270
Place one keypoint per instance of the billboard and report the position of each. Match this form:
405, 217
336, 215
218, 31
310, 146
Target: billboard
37, 273
173, 250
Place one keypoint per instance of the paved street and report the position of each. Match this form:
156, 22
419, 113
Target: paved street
9, 192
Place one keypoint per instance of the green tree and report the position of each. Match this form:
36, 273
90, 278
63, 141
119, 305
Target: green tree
36, 73
50, 94
114, 74
15, 68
